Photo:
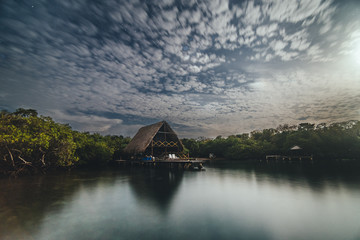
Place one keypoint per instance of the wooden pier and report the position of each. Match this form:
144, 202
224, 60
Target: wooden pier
288, 158
184, 164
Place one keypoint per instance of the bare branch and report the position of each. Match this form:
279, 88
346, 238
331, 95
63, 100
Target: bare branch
43, 156
11, 156
43, 159
25, 162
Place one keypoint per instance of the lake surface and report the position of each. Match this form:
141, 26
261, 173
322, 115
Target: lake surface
227, 201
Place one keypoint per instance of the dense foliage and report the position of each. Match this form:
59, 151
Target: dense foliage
324, 142
32, 143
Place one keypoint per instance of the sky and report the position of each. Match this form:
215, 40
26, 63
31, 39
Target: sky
209, 68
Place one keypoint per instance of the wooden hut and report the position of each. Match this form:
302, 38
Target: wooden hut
295, 148
294, 153
157, 140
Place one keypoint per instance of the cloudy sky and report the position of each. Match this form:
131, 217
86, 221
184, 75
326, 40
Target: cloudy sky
207, 67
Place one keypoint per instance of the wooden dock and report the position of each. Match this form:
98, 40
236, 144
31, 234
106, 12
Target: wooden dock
185, 164
289, 158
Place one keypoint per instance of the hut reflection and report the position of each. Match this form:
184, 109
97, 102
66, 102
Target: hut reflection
156, 186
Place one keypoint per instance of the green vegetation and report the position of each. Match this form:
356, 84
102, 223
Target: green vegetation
32, 143
336, 141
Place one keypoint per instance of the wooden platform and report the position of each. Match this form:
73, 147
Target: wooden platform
168, 163
289, 158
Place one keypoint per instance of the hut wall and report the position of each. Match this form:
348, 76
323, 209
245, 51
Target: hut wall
164, 142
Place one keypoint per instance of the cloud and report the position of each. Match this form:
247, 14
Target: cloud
267, 30
210, 66
294, 11
252, 14
278, 45
89, 123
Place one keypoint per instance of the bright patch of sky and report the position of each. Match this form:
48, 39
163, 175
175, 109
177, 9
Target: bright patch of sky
207, 67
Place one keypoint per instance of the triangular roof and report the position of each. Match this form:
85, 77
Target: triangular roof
295, 148
143, 138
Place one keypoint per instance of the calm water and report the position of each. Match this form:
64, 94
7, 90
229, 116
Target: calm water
223, 202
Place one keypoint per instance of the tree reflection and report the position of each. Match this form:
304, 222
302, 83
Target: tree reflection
318, 177
24, 202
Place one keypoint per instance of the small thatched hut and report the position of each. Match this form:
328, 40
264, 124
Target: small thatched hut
295, 148
156, 140
296, 151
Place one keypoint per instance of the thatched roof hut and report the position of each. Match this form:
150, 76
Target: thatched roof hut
295, 148
156, 140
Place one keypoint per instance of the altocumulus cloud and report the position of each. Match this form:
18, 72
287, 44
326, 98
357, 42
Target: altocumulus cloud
208, 67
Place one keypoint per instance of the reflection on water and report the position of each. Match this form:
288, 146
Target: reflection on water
25, 201
228, 201
155, 187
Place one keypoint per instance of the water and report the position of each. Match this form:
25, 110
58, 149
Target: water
229, 201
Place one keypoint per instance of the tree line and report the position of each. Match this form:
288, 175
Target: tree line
337, 141
31, 143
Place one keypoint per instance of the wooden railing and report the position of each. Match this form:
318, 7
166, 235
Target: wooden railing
164, 144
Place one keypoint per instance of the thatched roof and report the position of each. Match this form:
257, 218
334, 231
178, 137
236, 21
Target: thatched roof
144, 136
295, 148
